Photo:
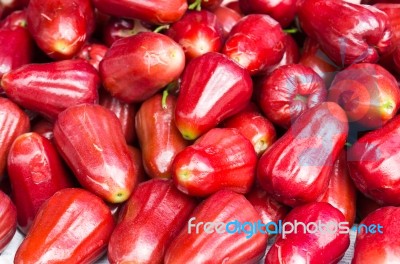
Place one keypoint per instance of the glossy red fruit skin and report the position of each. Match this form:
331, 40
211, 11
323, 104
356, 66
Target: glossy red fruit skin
291, 55
255, 127
8, 7
213, 88
36, 172
17, 45
63, 84
157, 211
393, 13
341, 192
282, 11
234, 5
154, 59
93, 53
73, 226
156, 12
224, 206
13, 122
136, 157
368, 93
207, 4
118, 27
267, 207
373, 163
295, 170
392, 61
303, 247
288, 92
359, 33
15, 19
379, 247
60, 28
125, 112
247, 45
220, 159
198, 32
313, 57
227, 17
159, 139
8, 220
90, 139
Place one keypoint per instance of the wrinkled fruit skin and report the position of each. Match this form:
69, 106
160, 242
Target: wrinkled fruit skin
312, 248
374, 163
157, 12
73, 226
159, 139
220, 159
60, 28
36, 172
341, 192
348, 33
380, 245
13, 122
154, 59
199, 247
368, 93
90, 139
8, 220
289, 91
213, 88
141, 213
247, 45
296, 169
64, 83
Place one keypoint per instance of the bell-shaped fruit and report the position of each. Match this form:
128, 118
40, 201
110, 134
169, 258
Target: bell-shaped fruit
90, 139
36, 172
73, 226
150, 220
220, 159
154, 60
159, 139
296, 168
213, 88
50, 88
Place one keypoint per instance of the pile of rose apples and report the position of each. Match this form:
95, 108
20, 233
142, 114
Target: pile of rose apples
139, 129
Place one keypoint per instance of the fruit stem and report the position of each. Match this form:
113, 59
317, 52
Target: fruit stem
161, 28
196, 5
291, 30
164, 99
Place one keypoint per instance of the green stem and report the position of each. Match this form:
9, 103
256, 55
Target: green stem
161, 28
164, 98
347, 144
196, 5
291, 30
